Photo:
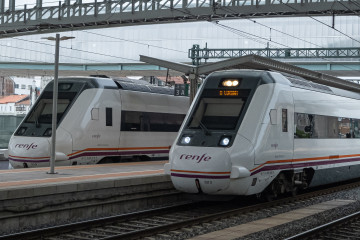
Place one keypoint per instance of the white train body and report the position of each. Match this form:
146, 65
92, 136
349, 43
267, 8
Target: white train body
283, 134
99, 119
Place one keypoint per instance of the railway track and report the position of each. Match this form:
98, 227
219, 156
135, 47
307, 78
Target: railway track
163, 220
344, 228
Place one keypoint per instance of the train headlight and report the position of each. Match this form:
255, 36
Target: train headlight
185, 140
224, 141
230, 83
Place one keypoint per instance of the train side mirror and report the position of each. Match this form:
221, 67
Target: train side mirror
273, 116
307, 129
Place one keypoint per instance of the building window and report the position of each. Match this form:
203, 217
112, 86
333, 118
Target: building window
16, 85
23, 86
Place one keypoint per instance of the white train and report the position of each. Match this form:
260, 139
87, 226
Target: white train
99, 120
260, 132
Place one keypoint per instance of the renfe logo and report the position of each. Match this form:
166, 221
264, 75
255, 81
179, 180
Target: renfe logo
26, 146
197, 158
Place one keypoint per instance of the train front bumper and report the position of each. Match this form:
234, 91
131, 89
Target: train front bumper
200, 170
31, 152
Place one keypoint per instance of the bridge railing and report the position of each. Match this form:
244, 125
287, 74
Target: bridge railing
76, 15
71, 9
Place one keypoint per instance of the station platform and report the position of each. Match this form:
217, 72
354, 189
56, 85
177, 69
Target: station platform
103, 190
31, 178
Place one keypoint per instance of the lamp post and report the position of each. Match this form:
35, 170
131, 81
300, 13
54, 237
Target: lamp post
55, 96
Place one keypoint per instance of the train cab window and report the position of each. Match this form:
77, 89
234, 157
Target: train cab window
43, 111
217, 113
284, 118
109, 117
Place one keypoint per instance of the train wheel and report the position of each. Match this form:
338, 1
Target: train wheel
294, 191
269, 194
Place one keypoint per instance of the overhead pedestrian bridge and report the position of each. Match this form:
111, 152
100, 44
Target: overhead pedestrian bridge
69, 15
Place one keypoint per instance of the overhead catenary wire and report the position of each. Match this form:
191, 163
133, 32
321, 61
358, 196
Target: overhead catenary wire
224, 27
256, 22
335, 29
74, 49
126, 40
122, 39
42, 52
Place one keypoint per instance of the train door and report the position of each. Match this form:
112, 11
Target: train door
97, 133
277, 144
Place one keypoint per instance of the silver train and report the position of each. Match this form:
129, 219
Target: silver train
99, 120
266, 133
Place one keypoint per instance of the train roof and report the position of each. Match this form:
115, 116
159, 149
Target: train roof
300, 82
143, 86
121, 83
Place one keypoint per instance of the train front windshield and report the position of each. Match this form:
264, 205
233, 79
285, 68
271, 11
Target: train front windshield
216, 118
217, 113
38, 122
220, 107
43, 111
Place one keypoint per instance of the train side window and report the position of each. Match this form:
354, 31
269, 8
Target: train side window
284, 117
108, 116
355, 128
95, 114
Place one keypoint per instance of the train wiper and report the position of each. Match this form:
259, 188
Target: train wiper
37, 124
206, 131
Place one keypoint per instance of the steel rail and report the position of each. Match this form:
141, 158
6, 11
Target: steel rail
34, 234
325, 227
150, 231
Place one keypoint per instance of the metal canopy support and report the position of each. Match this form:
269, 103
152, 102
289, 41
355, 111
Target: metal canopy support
254, 62
2, 6
197, 54
190, 70
110, 13
257, 62
181, 67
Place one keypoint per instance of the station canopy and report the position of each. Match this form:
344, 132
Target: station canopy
255, 62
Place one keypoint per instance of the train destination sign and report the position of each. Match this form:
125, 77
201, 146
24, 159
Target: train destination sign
228, 93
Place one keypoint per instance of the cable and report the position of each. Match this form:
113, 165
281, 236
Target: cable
237, 30
223, 26
231, 11
334, 29
19, 58
320, 22
103, 35
31, 50
75, 49
110, 15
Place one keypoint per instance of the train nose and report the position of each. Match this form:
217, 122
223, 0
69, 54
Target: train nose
29, 152
200, 170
